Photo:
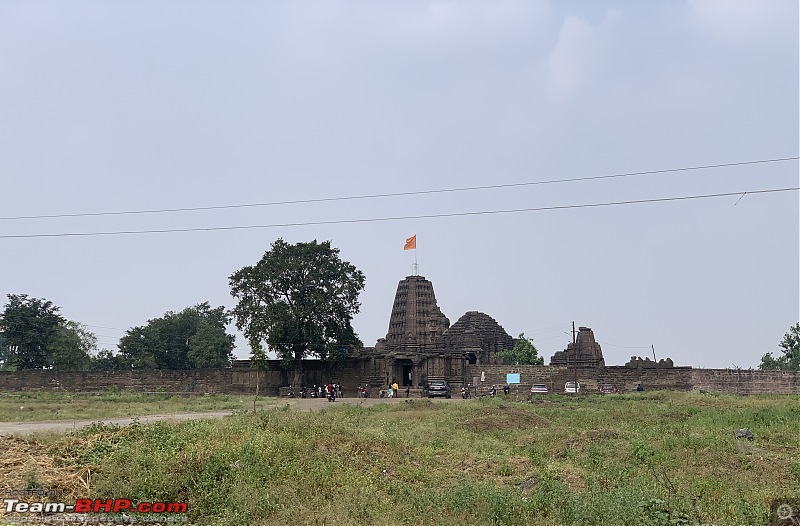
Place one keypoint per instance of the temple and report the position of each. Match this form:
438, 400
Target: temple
585, 352
421, 345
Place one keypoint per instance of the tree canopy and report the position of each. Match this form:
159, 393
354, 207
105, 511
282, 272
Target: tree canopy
70, 347
190, 339
790, 348
27, 324
523, 353
299, 300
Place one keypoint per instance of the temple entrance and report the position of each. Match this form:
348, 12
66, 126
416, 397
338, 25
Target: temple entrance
406, 368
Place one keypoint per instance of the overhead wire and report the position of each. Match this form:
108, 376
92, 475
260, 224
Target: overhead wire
399, 218
401, 194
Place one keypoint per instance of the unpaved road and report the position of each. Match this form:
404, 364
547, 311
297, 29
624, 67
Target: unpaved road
300, 404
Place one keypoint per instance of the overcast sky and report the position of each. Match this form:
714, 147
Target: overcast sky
138, 105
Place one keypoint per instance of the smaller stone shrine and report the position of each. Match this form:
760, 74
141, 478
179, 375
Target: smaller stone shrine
585, 352
637, 362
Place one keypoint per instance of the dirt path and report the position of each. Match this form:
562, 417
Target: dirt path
300, 404
23, 428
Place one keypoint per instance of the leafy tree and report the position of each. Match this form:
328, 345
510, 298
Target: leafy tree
299, 300
3, 353
790, 347
523, 353
108, 361
190, 339
70, 347
27, 324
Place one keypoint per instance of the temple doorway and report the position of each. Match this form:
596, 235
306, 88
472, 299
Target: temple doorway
407, 372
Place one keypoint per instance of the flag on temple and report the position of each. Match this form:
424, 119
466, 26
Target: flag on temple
411, 243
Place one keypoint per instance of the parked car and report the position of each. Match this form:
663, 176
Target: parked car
539, 389
438, 388
572, 387
608, 389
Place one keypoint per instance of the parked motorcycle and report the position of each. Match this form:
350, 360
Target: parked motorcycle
465, 393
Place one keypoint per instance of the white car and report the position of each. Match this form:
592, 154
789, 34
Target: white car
572, 387
539, 389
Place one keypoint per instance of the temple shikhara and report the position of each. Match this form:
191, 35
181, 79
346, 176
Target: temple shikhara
421, 345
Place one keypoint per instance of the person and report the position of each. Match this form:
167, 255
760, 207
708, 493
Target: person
331, 392
338, 390
639, 388
390, 391
395, 388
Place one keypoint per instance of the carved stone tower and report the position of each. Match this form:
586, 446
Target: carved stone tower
416, 321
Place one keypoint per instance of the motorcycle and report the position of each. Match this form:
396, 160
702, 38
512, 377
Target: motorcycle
465, 393
492, 391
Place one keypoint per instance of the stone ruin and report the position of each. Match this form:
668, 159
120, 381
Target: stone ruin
585, 352
637, 362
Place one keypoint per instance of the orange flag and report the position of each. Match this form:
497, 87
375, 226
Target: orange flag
411, 243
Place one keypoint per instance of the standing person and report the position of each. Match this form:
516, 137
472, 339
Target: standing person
395, 387
391, 391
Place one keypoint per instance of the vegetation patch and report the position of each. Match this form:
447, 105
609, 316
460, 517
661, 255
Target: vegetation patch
502, 418
586, 460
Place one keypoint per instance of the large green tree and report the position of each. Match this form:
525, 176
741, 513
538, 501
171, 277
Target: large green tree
299, 300
192, 338
790, 348
523, 353
70, 347
27, 324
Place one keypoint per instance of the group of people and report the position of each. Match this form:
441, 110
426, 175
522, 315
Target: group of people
493, 390
330, 390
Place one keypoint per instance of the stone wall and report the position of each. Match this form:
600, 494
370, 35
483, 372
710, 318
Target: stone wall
242, 380
746, 381
626, 378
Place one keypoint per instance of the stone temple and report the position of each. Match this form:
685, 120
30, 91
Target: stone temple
421, 345
585, 352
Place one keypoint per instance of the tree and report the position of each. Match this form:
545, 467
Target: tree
299, 300
27, 324
790, 347
108, 361
523, 353
70, 347
190, 339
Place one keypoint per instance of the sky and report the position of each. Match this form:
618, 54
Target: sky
111, 107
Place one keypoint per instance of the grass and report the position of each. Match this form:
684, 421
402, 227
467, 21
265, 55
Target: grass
653, 459
44, 406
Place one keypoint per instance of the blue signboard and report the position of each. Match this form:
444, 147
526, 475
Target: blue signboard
512, 378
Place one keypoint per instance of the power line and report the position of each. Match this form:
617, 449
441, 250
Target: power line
623, 346
399, 194
396, 218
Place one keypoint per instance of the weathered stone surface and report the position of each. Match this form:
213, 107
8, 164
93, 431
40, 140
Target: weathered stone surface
587, 349
416, 322
743, 433
646, 363
476, 336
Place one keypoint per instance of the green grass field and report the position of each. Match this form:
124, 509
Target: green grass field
43, 406
653, 459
